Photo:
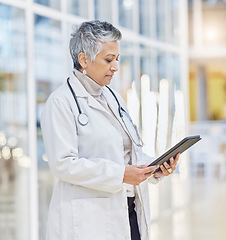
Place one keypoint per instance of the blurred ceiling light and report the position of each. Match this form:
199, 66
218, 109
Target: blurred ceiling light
24, 161
12, 142
2, 139
6, 154
127, 4
44, 157
211, 34
17, 153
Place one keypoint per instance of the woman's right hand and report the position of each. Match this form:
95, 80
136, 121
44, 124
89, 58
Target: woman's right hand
135, 174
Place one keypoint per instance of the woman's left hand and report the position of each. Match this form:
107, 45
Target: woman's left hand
166, 168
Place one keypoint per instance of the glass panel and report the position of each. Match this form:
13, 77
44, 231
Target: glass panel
162, 70
148, 66
48, 74
14, 162
49, 3
126, 68
126, 9
103, 10
145, 20
160, 20
174, 26
167, 20
79, 7
169, 68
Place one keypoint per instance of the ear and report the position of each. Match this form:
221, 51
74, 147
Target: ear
82, 60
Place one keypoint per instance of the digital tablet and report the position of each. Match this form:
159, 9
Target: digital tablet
180, 147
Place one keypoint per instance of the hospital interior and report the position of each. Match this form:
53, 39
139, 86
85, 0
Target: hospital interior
172, 75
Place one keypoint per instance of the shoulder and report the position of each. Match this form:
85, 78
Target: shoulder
59, 93
58, 102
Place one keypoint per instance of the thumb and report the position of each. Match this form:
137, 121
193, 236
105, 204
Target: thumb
142, 166
151, 169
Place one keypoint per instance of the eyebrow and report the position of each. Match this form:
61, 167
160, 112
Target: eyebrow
111, 54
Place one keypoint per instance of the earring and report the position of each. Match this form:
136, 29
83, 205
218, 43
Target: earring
84, 72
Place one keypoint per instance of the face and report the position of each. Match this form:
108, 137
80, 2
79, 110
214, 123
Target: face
102, 69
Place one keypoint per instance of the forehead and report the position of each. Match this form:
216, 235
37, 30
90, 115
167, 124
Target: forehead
111, 48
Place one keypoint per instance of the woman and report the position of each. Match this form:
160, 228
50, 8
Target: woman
102, 187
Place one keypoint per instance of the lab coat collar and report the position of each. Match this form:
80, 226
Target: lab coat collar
81, 92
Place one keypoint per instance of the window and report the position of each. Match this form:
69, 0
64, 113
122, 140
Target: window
50, 3
14, 162
145, 18
48, 74
79, 7
126, 13
103, 10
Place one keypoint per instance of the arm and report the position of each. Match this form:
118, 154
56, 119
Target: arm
61, 146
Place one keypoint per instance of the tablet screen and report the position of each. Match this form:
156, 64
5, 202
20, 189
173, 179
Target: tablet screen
180, 147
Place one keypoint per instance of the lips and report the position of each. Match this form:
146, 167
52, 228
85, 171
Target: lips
109, 76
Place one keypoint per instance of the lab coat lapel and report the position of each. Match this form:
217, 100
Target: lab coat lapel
114, 107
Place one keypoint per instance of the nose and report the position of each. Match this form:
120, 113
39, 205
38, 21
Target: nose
114, 67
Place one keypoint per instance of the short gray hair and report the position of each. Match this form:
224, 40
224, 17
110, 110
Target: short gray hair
89, 38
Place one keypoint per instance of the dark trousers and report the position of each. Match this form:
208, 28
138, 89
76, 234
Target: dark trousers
134, 230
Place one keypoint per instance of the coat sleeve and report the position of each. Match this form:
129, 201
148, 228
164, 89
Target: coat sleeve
61, 146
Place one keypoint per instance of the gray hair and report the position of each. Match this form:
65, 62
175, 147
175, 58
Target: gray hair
89, 38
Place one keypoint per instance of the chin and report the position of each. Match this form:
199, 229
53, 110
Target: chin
107, 82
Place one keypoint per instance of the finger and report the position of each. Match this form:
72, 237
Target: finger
172, 164
165, 172
147, 175
177, 157
142, 166
166, 165
150, 169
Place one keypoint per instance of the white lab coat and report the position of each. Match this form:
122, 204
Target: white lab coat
89, 200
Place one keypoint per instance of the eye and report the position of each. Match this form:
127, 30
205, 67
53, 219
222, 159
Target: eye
109, 60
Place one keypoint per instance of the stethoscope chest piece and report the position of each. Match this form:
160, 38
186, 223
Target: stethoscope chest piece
83, 119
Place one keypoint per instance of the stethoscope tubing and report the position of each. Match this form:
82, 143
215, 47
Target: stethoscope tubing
83, 118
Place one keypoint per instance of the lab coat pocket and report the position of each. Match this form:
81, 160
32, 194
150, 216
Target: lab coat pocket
91, 218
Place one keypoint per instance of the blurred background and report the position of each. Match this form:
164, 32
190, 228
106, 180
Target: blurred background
172, 76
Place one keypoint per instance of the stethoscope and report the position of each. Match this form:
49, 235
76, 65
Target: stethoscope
83, 119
